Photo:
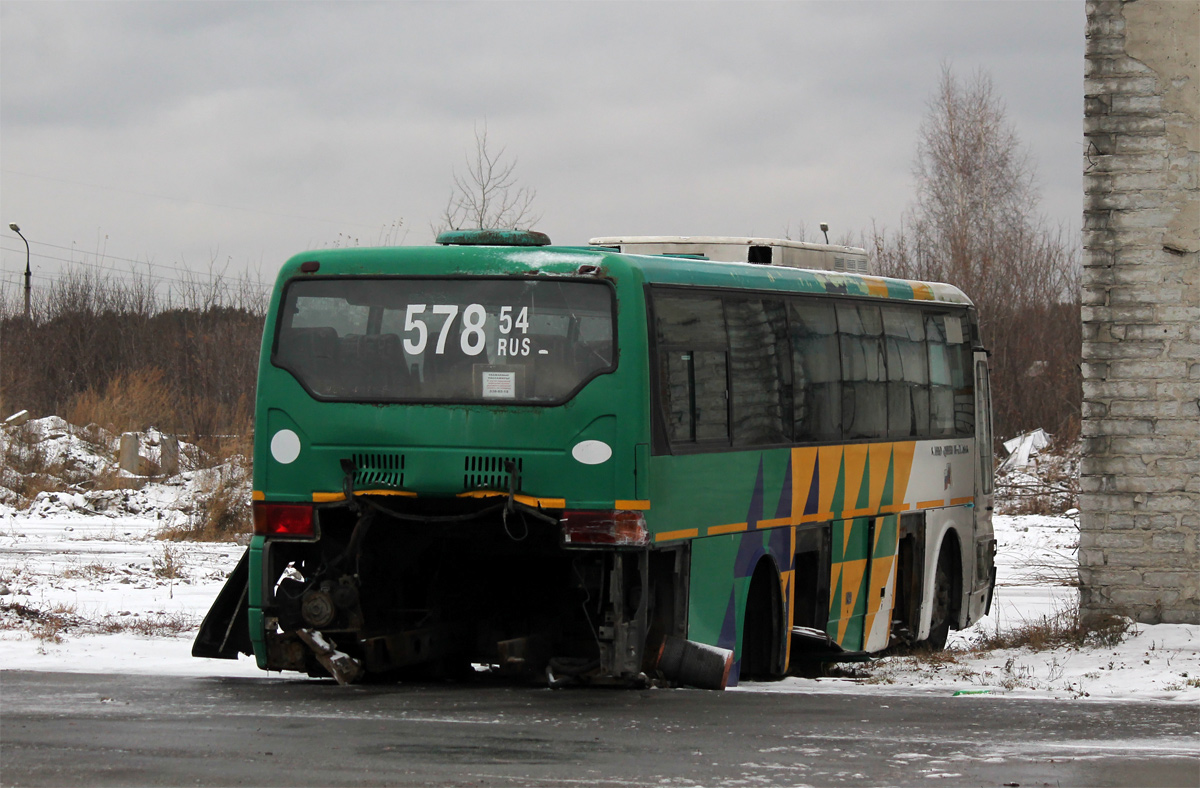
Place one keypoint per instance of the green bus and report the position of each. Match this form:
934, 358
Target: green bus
585, 464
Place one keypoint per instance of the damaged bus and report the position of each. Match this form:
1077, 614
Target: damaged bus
589, 464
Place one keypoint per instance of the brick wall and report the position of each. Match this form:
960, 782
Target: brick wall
1140, 497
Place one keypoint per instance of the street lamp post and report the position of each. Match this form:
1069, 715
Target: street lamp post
13, 226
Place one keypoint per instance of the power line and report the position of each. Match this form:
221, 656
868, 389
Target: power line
190, 202
100, 255
196, 276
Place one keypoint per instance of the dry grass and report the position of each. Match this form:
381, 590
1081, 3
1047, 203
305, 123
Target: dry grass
93, 571
47, 626
221, 514
33, 471
149, 625
1061, 628
169, 565
53, 625
131, 401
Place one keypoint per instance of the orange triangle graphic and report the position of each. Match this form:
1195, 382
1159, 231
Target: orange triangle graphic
856, 460
903, 455
831, 462
881, 455
804, 461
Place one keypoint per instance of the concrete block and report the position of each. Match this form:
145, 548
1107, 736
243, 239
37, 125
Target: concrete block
1117, 427
1161, 294
130, 458
1185, 427
1177, 314
1147, 408
1174, 580
1184, 350
1157, 522
1123, 389
1187, 613
1156, 332
1142, 370
1175, 542
1142, 600
1130, 540
1120, 85
1123, 350
169, 455
1108, 576
1127, 104
1146, 484
1124, 466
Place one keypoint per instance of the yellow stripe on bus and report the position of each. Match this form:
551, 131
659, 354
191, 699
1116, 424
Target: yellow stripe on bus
930, 504
640, 506
258, 495
686, 533
331, 497
961, 501
850, 514
528, 500
774, 522
730, 528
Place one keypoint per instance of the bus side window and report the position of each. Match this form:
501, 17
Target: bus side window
951, 395
693, 367
864, 371
816, 371
759, 371
908, 373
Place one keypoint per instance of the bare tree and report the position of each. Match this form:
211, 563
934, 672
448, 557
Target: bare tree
488, 195
974, 223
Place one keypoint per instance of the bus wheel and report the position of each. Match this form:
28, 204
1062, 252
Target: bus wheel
945, 591
760, 630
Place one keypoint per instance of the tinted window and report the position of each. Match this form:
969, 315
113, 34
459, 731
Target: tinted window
908, 372
951, 397
864, 371
816, 371
397, 339
759, 371
693, 367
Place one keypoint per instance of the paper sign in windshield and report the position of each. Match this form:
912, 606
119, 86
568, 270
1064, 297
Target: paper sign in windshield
499, 385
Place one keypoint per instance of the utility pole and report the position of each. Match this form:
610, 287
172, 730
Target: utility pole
13, 226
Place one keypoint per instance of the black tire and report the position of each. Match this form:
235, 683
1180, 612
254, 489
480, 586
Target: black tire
945, 593
760, 635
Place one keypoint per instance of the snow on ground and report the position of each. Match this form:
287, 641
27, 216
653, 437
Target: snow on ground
86, 586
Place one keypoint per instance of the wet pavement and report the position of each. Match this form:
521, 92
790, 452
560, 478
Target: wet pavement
59, 729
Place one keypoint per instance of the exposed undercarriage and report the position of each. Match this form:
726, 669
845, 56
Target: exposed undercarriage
399, 585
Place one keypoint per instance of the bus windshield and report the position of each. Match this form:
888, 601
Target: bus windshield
493, 340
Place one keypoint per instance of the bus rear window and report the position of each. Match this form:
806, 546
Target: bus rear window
479, 339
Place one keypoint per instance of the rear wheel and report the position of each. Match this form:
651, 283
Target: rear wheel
945, 593
761, 627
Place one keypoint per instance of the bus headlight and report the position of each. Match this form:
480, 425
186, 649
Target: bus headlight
618, 528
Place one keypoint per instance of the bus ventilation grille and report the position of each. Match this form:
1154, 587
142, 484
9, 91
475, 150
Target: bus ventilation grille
488, 472
379, 470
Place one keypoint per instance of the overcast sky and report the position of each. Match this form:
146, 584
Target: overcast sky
188, 133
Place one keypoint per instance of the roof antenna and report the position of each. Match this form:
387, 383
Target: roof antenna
825, 230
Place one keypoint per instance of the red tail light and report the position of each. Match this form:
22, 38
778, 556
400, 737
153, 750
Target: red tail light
283, 519
619, 528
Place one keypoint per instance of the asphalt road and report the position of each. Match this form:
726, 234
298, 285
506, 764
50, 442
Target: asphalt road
75, 729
